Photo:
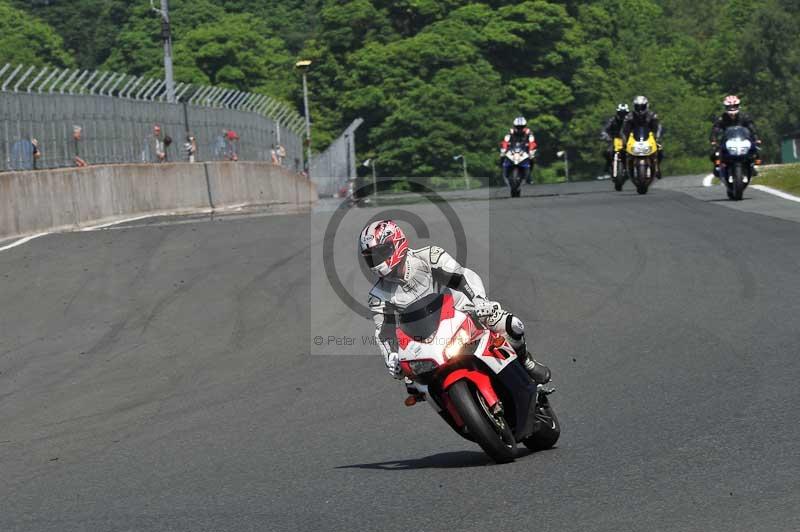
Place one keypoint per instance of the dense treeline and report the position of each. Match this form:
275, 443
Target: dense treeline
434, 78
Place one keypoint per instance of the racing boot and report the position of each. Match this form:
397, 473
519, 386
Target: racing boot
537, 371
515, 334
414, 395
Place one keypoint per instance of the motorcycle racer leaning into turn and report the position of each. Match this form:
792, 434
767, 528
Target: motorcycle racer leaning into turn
406, 275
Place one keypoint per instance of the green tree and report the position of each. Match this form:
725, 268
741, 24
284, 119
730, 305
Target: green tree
28, 41
138, 48
89, 27
236, 51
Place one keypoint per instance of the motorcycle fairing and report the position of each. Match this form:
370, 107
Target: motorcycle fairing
515, 379
641, 147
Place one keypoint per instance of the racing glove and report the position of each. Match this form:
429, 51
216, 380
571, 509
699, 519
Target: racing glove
485, 308
393, 365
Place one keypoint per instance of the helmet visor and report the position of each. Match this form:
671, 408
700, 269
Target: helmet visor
640, 107
377, 254
734, 108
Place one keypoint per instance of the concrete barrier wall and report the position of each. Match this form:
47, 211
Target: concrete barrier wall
254, 183
62, 199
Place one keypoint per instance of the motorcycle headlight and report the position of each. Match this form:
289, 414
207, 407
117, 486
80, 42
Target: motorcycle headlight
456, 344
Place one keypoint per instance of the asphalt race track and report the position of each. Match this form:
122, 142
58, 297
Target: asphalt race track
164, 376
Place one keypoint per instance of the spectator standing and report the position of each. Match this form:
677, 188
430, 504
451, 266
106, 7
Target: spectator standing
167, 144
281, 154
158, 151
232, 145
190, 147
37, 152
77, 137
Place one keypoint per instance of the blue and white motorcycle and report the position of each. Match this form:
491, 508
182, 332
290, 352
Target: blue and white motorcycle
736, 158
517, 167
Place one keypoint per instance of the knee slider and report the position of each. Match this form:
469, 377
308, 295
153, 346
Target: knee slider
514, 327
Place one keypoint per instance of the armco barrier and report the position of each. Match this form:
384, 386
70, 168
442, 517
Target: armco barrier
68, 198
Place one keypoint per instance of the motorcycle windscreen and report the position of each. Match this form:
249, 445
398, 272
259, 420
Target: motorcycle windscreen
421, 319
641, 133
737, 133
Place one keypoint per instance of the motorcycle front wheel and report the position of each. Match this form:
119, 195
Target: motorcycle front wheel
490, 431
514, 182
618, 173
642, 177
737, 188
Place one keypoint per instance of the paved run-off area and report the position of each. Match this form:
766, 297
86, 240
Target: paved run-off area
165, 377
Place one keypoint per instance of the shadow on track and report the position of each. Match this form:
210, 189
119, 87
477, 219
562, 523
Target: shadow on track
451, 460
457, 459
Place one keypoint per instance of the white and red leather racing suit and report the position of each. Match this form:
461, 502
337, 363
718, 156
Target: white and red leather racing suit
430, 270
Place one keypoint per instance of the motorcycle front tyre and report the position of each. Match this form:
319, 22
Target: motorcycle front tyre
497, 442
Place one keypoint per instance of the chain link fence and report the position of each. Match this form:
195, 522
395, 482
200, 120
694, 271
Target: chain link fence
53, 118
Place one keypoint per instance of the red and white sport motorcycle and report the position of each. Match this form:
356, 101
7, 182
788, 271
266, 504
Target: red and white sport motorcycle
472, 378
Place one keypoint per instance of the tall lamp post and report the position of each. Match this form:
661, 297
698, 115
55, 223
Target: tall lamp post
464, 165
563, 153
371, 163
166, 36
303, 67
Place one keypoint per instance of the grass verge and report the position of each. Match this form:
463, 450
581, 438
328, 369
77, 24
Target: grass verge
785, 177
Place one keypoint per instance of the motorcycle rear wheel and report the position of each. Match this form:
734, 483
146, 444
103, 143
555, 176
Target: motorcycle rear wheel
549, 429
489, 431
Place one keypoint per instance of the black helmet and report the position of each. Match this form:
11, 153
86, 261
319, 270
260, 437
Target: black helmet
640, 105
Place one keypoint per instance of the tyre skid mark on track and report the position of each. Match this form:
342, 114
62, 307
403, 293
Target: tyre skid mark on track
240, 330
112, 335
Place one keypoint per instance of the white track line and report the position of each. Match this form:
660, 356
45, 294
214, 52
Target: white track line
774, 192
110, 224
22, 241
708, 180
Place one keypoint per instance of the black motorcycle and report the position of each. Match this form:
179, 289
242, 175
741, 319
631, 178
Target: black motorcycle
737, 154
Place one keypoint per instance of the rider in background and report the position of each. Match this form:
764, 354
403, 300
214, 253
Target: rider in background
731, 117
519, 132
612, 130
643, 116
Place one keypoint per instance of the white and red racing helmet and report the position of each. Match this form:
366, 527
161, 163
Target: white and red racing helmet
731, 104
383, 246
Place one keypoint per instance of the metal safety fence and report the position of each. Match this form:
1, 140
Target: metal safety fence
61, 117
332, 169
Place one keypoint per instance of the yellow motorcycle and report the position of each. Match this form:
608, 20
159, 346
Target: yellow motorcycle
642, 150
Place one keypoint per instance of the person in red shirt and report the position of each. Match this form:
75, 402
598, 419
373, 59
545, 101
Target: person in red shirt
232, 139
